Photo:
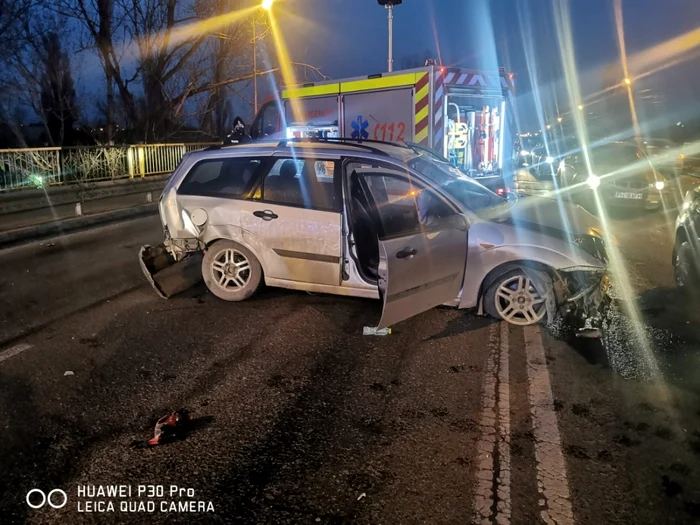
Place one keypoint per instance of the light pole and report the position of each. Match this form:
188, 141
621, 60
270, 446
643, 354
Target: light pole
389, 5
266, 5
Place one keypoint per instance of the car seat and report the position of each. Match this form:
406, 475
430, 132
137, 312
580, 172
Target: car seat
236, 184
286, 187
364, 230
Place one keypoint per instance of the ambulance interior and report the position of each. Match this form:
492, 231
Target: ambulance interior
475, 133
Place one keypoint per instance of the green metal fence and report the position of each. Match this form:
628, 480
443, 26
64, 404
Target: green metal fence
38, 167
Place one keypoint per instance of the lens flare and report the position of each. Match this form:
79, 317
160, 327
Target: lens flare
286, 66
593, 181
179, 35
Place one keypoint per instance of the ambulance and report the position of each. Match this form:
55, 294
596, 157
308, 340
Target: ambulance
461, 115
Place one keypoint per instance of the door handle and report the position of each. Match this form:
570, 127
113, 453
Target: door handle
406, 253
266, 215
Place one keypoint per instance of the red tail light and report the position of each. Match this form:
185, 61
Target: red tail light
500, 191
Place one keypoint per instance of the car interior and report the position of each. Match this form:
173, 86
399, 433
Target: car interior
396, 213
363, 225
229, 177
298, 182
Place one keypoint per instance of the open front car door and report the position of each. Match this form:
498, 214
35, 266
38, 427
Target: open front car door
422, 243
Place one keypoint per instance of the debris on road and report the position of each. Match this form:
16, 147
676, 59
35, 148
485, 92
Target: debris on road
371, 330
361, 496
68, 373
170, 426
167, 276
589, 333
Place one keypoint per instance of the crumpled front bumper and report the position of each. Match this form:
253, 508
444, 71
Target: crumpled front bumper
583, 294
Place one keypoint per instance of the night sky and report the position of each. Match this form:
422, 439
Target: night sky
349, 37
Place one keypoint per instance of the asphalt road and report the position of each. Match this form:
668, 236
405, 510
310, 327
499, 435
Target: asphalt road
299, 418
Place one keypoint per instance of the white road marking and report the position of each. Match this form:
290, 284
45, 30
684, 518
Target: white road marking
492, 497
552, 483
504, 429
11, 352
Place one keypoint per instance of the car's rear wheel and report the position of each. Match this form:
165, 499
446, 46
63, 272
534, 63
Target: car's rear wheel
231, 271
686, 267
514, 298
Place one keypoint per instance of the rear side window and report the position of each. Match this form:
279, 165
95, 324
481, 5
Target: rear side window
224, 177
306, 183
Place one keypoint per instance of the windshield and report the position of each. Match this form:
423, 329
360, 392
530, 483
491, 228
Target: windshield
466, 190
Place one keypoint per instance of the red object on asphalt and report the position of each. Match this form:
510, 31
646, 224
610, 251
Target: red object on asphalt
168, 426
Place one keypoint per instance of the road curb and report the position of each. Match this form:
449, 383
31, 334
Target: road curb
48, 229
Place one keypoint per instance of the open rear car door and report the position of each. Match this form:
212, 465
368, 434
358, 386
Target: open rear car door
421, 259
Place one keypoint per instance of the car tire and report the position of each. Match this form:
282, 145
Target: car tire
508, 299
685, 267
231, 271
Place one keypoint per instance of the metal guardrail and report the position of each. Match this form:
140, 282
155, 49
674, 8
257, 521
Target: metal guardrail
21, 168
39, 167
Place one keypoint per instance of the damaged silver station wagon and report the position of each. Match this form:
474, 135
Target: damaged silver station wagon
375, 220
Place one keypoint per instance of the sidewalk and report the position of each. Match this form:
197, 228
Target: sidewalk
23, 219
38, 225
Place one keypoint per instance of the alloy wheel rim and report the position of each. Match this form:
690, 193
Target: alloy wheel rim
231, 269
519, 302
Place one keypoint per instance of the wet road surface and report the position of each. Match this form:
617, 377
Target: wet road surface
299, 418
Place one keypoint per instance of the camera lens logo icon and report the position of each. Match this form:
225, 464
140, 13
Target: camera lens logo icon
53, 498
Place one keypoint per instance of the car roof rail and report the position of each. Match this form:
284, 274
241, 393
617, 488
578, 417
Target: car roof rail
357, 143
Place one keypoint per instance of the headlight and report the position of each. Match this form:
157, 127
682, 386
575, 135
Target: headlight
593, 181
593, 245
549, 160
598, 233
595, 232
660, 185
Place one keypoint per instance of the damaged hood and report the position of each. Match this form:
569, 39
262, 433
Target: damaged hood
549, 216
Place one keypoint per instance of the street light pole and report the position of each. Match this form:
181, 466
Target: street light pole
266, 5
389, 5
255, 68
390, 9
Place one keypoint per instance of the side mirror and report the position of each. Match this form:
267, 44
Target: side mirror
459, 221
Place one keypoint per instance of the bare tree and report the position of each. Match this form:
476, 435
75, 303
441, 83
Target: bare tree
12, 14
167, 63
57, 91
38, 74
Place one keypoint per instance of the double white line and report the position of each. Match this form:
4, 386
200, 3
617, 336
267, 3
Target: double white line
492, 497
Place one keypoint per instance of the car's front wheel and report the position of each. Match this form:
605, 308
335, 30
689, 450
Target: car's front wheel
231, 271
686, 267
515, 298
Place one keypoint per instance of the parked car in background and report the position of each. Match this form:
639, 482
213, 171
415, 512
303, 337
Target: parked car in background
538, 163
686, 249
620, 172
377, 221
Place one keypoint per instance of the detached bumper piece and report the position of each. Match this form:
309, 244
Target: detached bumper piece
168, 276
